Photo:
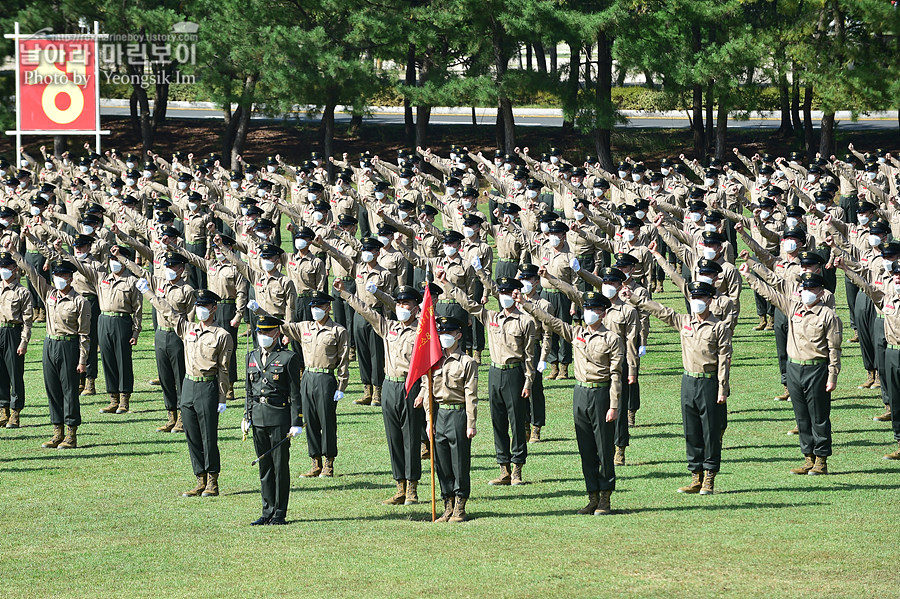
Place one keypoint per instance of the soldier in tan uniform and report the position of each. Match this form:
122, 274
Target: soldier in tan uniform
121, 308
706, 356
326, 350
16, 315
598, 357
814, 361
454, 387
403, 422
207, 352
68, 330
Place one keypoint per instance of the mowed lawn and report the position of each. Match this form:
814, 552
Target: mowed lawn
108, 519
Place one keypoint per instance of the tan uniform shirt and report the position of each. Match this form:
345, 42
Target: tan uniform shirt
705, 344
115, 293
455, 379
324, 346
16, 308
597, 353
307, 272
399, 338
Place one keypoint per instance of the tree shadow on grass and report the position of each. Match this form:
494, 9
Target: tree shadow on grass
17, 469
767, 505
657, 474
67, 454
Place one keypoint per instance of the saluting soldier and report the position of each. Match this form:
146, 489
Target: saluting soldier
207, 351
68, 331
16, 316
455, 391
326, 352
599, 364
706, 356
814, 361
403, 422
273, 409
121, 308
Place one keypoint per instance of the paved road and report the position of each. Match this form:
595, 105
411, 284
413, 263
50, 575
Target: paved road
379, 118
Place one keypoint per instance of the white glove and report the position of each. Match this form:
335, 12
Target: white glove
371, 287
575, 264
142, 285
245, 426
542, 366
476, 263
338, 395
221, 408
253, 305
296, 430
642, 351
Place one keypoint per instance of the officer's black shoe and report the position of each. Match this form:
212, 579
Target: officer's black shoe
277, 522
262, 520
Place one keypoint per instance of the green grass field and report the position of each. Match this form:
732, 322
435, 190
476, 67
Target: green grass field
108, 519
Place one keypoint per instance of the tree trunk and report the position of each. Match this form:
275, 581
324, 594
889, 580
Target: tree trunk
573, 83
509, 124
784, 94
795, 101
356, 121
409, 124
529, 62
709, 116
231, 121
241, 121
504, 104
161, 102
498, 129
135, 117
60, 145
826, 141
721, 129
648, 80
328, 135
697, 120
808, 136
540, 57
603, 91
423, 115
553, 59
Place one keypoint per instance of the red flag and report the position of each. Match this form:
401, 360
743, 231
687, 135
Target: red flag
427, 350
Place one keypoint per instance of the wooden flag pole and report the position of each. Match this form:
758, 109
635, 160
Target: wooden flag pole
431, 443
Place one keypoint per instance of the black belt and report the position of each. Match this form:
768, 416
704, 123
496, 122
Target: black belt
270, 402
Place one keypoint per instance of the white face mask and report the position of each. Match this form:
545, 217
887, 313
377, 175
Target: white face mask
192, 206
300, 244
81, 255
88, 229
265, 341
640, 213
23, 184
404, 181
695, 217
60, 283
403, 314
779, 173
249, 176
545, 227
698, 306
608, 291
450, 250
115, 191
709, 227
260, 193
35, 211
518, 184
764, 214
665, 171
527, 287
808, 297
811, 178
5, 274
130, 182
384, 240
261, 235
871, 176
271, 168
874, 240
654, 188
219, 255
202, 313
882, 160
531, 194
763, 179
467, 204
451, 191
317, 313
469, 232
576, 183
367, 256
129, 164
578, 214
862, 219
318, 216
791, 222
598, 192
115, 266
709, 253
554, 160
171, 274
83, 169
789, 245
147, 174
709, 182
403, 214
623, 174
507, 166
821, 207
93, 186
705, 279
235, 184
628, 235
506, 301
182, 185
316, 162
555, 241
268, 265
447, 340
635, 177
379, 195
